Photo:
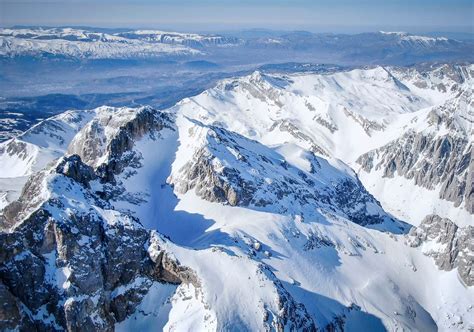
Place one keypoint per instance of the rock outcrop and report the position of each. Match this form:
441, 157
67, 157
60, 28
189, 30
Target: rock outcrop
451, 246
75, 267
219, 172
429, 161
68, 260
438, 157
113, 132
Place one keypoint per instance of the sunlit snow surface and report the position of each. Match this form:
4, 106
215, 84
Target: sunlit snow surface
341, 115
376, 270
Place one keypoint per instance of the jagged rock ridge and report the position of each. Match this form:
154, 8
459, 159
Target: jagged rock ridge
453, 245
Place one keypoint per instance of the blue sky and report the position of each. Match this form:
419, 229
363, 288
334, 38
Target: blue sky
208, 15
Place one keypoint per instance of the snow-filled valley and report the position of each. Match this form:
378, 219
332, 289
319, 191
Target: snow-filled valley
338, 201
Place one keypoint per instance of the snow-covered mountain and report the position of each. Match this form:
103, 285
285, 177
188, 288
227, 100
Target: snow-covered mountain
73, 43
34, 149
80, 43
367, 48
265, 203
349, 115
189, 39
156, 36
406, 39
387, 39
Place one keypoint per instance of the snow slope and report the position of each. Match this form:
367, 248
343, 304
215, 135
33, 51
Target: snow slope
307, 255
346, 114
49, 140
34, 149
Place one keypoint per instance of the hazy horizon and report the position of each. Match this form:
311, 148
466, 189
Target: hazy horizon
239, 30
339, 16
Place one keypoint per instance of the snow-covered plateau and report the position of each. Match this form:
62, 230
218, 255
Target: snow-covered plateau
339, 201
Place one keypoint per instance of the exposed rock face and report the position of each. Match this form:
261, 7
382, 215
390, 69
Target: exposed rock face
450, 246
292, 316
109, 135
368, 125
74, 168
106, 142
219, 172
430, 161
350, 196
443, 78
83, 268
287, 126
258, 87
212, 186
68, 260
32, 196
328, 124
11, 312
15, 147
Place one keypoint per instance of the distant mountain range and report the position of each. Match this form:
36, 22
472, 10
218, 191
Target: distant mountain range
75, 43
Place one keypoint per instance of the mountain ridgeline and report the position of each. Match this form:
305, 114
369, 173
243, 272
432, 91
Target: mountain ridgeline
363, 48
